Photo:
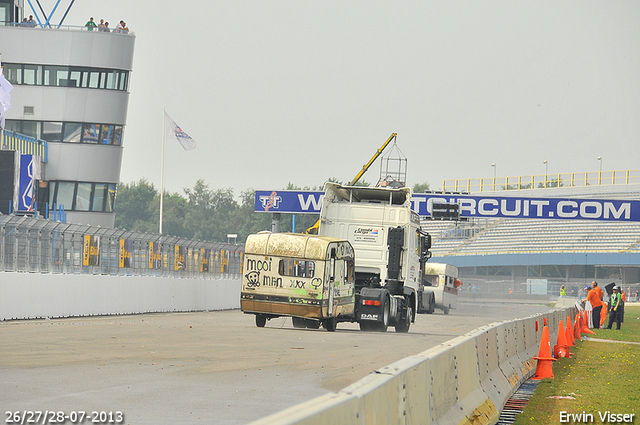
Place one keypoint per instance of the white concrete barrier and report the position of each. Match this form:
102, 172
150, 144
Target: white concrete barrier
466, 380
33, 295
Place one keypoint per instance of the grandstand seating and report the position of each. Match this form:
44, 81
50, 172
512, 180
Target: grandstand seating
524, 236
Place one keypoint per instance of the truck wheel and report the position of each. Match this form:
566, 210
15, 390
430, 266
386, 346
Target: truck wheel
406, 323
382, 326
330, 324
298, 322
261, 320
432, 304
446, 310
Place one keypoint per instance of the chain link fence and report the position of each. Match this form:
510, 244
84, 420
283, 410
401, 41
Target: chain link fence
37, 245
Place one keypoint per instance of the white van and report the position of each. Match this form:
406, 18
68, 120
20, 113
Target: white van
442, 281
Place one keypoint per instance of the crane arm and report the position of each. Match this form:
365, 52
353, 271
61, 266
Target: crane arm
366, 166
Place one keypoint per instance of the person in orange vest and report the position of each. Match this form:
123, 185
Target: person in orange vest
596, 305
596, 288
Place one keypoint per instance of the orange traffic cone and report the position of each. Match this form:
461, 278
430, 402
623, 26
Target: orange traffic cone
576, 328
585, 324
603, 314
544, 368
561, 349
569, 333
545, 321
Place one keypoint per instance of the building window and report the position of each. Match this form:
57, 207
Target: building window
82, 196
68, 132
66, 76
32, 75
64, 195
72, 132
51, 131
99, 196
91, 133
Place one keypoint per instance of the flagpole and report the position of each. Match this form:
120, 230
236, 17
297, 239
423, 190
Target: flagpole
164, 119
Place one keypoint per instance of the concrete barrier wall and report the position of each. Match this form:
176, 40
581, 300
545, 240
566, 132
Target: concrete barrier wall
466, 380
33, 295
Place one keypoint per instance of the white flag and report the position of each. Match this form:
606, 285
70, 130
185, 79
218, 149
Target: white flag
172, 129
5, 97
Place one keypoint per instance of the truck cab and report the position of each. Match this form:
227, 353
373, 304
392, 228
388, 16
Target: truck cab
389, 246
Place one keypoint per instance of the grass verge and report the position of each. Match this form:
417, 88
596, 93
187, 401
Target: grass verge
601, 377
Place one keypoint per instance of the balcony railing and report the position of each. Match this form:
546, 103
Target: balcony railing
592, 178
10, 140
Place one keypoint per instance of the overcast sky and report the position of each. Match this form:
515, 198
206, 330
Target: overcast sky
300, 91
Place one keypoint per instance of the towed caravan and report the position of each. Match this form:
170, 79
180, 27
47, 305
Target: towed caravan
307, 277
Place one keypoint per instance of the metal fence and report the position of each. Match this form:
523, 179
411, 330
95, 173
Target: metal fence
38, 245
594, 178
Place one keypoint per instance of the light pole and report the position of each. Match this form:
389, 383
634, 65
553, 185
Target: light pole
494, 177
600, 173
546, 171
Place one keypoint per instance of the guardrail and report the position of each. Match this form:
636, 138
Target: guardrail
593, 178
464, 381
38, 245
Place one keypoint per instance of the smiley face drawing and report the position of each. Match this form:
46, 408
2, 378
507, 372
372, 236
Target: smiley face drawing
253, 279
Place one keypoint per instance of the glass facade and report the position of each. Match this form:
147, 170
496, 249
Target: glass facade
68, 132
82, 196
66, 76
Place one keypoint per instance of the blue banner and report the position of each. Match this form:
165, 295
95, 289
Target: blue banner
301, 201
288, 201
522, 207
27, 192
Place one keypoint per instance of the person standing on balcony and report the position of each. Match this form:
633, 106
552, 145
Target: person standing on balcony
90, 24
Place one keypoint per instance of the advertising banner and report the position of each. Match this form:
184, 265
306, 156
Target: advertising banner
301, 202
29, 173
155, 258
180, 258
205, 255
524, 207
91, 251
126, 250
291, 201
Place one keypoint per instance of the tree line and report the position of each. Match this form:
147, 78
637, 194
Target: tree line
204, 213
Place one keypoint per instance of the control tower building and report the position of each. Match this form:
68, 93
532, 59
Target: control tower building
71, 90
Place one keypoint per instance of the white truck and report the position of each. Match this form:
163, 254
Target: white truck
390, 251
365, 266
441, 280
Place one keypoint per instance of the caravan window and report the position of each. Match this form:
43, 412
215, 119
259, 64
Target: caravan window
296, 268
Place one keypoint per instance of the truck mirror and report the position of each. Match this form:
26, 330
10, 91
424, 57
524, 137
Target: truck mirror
426, 242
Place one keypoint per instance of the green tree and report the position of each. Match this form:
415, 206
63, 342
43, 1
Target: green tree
133, 205
210, 212
420, 187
